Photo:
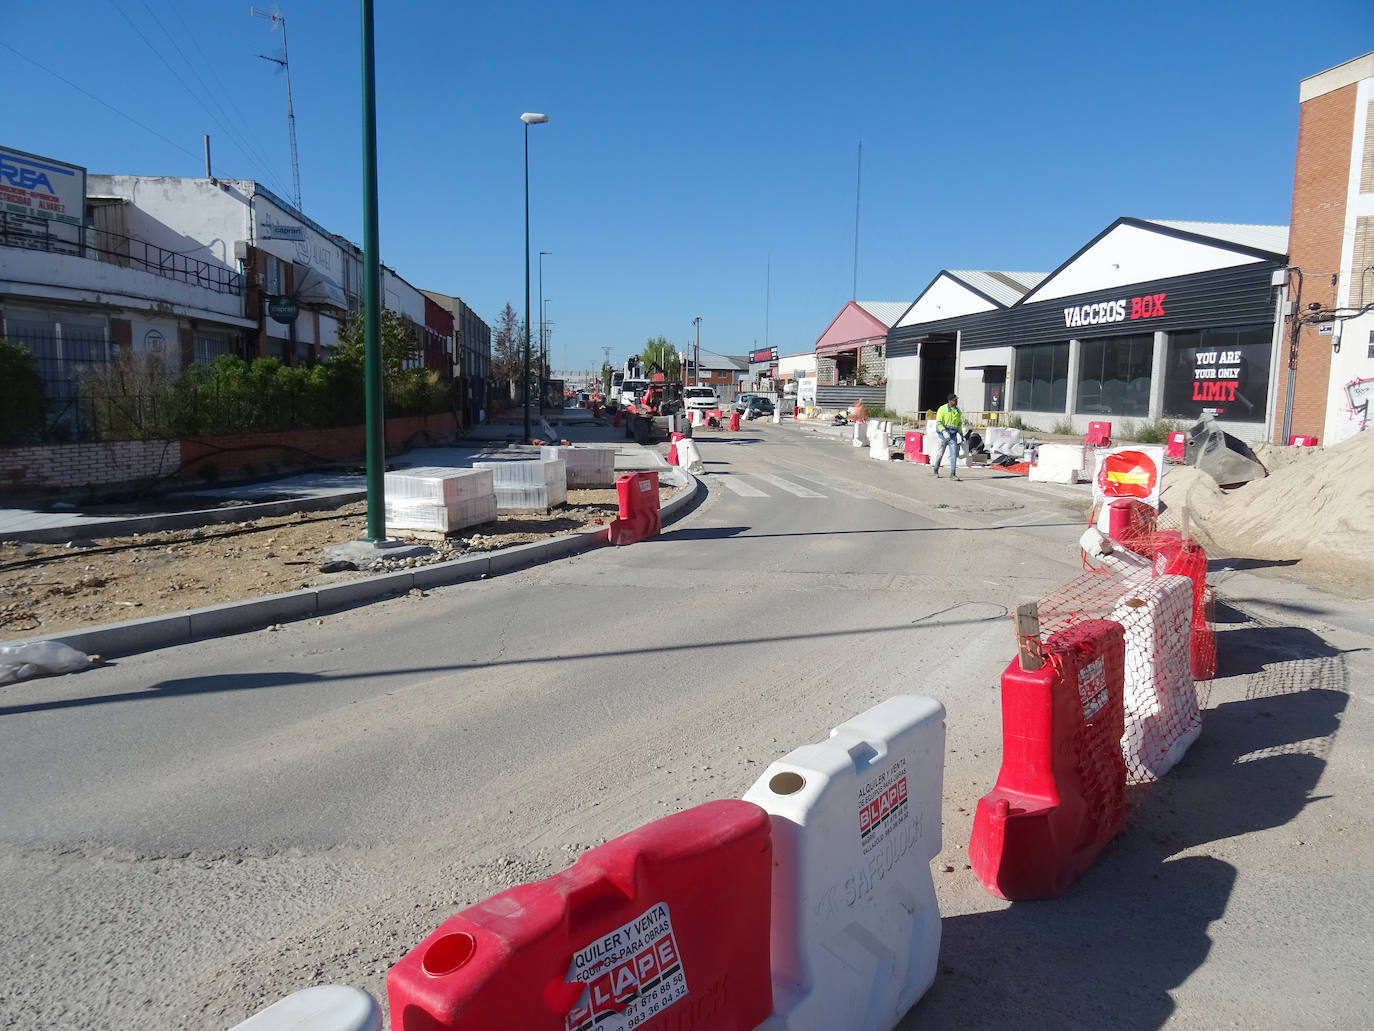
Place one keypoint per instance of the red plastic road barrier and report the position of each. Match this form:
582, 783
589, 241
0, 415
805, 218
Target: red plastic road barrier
1302, 441
673, 438
913, 444
1099, 434
615, 419
638, 518
1177, 557
1174, 449
1061, 792
734, 420
596, 410
1132, 524
665, 927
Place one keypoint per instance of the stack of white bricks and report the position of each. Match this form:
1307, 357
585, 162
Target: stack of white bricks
439, 500
528, 486
588, 467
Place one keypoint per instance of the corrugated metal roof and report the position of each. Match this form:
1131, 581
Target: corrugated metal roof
712, 360
886, 312
1264, 238
1006, 288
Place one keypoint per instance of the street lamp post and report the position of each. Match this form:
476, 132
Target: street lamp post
543, 359
543, 334
696, 354
529, 118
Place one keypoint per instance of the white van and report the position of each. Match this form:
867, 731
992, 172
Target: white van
702, 399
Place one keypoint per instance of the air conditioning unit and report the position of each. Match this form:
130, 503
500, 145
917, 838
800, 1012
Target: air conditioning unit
241, 250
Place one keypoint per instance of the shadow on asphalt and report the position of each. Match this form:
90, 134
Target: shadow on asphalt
1135, 926
1231, 565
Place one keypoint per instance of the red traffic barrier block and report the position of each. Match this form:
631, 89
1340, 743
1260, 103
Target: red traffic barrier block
596, 410
1174, 449
1300, 440
1060, 795
913, 444
1177, 557
1099, 434
734, 420
615, 419
664, 927
638, 518
673, 438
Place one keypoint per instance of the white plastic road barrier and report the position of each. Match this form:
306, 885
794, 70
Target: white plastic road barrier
861, 433
327, 1007
1162, 718
856, 822
880, 442
777, 413
1104, 553
1058, 463
688, 457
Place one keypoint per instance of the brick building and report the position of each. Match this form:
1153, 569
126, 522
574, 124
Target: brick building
1331, 250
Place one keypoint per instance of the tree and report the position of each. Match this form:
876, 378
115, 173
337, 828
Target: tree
657, 351
399, 344
508, 347
21, 394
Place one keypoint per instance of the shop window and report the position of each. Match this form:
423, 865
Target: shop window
1221, 372
210, 346
1042, 378
1114, 375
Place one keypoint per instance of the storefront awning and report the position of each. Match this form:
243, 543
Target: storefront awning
314, 287
831, 350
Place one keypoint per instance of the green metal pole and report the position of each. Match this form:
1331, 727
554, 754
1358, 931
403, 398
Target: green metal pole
375, 431
527, 283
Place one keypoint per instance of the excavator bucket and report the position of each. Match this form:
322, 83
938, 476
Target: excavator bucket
1225, 458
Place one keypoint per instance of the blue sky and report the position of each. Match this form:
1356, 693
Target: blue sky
691, 148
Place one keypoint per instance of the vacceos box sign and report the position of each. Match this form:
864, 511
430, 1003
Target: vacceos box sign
40, 187
1148, 306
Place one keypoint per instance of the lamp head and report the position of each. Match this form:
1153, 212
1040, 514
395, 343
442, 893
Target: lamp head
530, 118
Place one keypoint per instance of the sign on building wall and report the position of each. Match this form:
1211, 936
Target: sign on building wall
42, 188
1224, 373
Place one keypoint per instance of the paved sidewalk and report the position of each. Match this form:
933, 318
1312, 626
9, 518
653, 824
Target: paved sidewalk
311, 491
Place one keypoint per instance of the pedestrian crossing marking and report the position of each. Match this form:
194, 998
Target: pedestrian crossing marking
789, 486
744, 490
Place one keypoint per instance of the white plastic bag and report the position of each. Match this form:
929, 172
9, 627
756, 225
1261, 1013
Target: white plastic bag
21, 661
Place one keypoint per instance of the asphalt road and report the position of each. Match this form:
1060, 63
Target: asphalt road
189, 834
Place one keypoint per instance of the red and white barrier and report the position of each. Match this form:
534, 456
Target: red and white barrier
1061, 791
688, 457
1187, 558
856, 822
639, 517
734, 422
326, 1007
1159, 697
664, 927
1099, 434
673, 438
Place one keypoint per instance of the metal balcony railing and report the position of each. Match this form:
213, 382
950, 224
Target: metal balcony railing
126, 251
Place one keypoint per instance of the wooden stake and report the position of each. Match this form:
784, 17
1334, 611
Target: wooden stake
1028, 635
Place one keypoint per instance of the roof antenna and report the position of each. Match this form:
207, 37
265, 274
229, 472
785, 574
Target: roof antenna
278, 19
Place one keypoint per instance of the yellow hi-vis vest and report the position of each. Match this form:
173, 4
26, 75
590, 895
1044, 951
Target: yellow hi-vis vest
949, 418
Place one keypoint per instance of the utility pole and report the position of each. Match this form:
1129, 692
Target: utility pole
284, 62
696, 352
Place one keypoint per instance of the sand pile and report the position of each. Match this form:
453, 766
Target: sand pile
1317, 506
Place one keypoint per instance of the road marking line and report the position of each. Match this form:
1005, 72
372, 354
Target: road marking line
833, 486
789, 486
744, 490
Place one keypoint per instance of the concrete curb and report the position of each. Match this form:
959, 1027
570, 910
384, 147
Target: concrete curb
150, 632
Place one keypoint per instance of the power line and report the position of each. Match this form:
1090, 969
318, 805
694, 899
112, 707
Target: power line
240, 140
177, 75
103, 103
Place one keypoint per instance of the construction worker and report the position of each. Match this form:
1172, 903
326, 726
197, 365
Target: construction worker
949, 423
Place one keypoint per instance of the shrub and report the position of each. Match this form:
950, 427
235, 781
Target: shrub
1063, 427
1017, 423
22, 404
1156, 432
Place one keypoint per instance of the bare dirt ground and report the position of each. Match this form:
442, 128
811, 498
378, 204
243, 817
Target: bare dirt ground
50, 587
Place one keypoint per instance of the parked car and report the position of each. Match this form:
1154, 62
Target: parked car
702, 399
758, 406
742, 401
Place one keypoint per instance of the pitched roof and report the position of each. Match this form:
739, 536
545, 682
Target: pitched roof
712, 360
886, 312
1265, 238
1004, 288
